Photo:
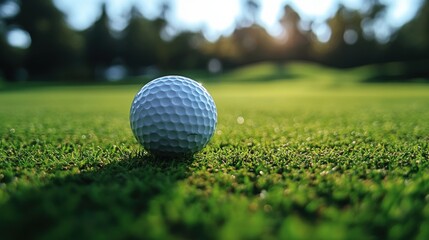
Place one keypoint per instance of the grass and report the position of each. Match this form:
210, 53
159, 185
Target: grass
318, 156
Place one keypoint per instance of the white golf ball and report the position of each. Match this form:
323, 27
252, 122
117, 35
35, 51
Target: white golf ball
173, 116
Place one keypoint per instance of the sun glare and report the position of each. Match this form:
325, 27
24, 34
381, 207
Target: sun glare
216, 17
219, 17
315, 9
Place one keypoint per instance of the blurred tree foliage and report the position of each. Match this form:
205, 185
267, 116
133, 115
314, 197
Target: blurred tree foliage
55, 49
141, 43
101, 48
11, 59
347, 41
412, 40
184, 51
410, 45
295, 42
58, 52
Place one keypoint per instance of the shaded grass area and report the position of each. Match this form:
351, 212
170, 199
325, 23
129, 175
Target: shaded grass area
266, 72
400, 72
309, 158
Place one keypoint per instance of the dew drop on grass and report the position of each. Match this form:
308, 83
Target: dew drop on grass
268, 208
263, 194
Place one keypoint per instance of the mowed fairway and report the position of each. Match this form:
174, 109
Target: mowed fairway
309, 157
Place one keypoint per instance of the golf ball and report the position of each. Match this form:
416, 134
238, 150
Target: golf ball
172, 116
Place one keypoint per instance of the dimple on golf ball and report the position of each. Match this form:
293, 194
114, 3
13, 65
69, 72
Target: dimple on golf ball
173, 115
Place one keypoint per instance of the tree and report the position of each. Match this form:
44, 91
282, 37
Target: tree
185, 51
347, 45
412, 40
101, 48
11, 59
294, 43
141, 42
253, 43
224, 49
55, 49
410, 46
252, 9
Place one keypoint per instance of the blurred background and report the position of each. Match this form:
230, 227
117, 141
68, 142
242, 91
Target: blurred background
107, 40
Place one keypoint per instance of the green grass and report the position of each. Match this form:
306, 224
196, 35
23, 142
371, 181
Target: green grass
318, 156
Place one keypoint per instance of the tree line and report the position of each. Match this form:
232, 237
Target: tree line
58, 52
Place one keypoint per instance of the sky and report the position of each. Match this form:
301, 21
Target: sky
219, 17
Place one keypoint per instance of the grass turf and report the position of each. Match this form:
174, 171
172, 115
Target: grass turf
317, 155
